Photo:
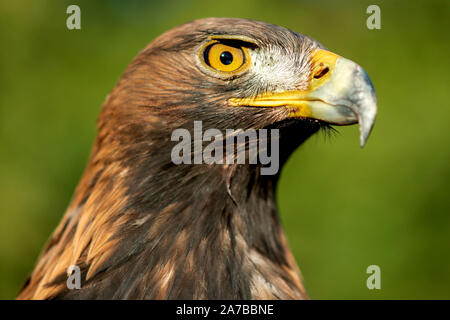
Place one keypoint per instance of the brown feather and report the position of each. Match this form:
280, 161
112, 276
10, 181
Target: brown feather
140, 227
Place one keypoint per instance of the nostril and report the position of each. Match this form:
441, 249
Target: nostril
321, 73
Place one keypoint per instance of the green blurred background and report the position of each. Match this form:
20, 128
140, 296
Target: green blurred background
343, 208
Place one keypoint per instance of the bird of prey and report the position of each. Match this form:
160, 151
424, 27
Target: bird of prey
140, 226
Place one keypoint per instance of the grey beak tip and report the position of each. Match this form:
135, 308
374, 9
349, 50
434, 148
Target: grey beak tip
363, 140
362, 144
367, 107
365, 132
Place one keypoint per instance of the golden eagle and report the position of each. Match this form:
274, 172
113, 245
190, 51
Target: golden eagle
143, 227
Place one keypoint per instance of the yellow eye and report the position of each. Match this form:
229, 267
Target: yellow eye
226, 58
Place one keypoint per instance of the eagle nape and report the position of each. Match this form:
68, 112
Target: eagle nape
140, 226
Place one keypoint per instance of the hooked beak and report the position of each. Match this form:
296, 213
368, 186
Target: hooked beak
340, 93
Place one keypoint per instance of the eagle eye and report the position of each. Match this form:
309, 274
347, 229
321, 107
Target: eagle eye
226, 57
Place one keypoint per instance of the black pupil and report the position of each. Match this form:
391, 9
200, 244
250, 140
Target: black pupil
226, 58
